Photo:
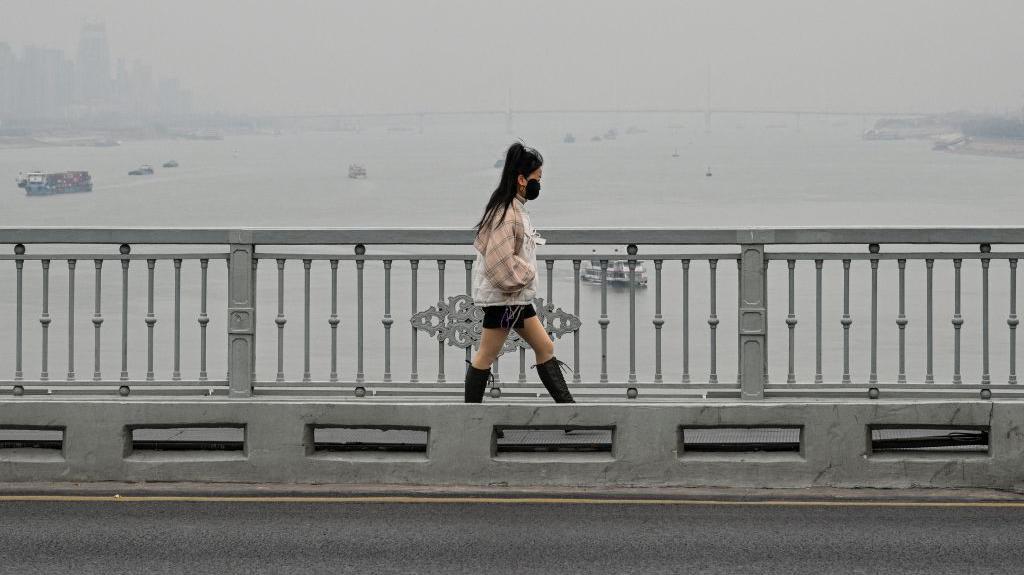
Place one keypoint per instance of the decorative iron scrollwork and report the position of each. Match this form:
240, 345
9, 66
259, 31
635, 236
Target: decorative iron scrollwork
459, 322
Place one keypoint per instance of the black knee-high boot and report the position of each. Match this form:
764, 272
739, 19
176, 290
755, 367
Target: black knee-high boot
550, 373
476, 382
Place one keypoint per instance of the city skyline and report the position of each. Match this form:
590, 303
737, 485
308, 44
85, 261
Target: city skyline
324, 57
42, 84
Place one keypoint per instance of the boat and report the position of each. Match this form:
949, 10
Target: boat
569, 139
949, 141
873, 134
356, 171
40, 184
145, 170
611, 134
708, 172
595, 139
171, 164
675, 154
618, 273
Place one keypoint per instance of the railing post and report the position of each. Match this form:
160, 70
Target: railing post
753, 333
241, 324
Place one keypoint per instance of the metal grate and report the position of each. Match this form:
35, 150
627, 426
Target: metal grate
31, 438
409, 440
945, 439
578, 440
741, 439
188, 439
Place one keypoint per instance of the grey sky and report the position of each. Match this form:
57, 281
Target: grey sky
309, 56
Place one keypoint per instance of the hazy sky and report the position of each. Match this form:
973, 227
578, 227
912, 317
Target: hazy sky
312, 56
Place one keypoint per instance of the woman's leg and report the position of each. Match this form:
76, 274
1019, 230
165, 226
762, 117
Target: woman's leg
535, 335
491, 341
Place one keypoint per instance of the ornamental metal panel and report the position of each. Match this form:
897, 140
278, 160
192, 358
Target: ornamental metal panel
459, 322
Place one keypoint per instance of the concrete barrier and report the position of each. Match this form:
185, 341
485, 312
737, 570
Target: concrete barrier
835, 444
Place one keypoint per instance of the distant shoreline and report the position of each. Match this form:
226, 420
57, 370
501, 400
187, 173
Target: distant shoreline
21, 143
88, 141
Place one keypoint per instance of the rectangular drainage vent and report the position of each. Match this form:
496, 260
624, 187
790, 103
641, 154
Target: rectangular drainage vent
568, 439
929, 439
16, 437
773, 439
385, 439
175, 439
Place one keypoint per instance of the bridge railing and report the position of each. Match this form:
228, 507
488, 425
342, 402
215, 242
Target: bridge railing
265, 263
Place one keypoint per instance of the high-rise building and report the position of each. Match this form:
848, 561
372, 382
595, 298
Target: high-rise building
93, 65
44, 84
140, 86
8, 70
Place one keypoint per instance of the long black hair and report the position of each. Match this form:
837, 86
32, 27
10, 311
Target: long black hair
519, 161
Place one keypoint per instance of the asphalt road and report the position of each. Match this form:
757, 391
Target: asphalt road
83, 537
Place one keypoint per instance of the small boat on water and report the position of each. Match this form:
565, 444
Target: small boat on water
40, 184
676, 153
708, 172
618, 273
356, 171
171, 164
569, 139
145, 170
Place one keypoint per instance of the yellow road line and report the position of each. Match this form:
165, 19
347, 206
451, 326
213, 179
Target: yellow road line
500, 500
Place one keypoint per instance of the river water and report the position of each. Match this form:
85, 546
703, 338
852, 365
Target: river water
767, 171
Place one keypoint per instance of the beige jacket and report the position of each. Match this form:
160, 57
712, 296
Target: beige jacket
505, 272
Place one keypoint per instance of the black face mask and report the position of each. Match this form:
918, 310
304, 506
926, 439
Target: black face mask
532, 189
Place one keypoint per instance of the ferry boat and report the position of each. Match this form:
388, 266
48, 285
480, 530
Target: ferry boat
171, 164
145, 170
618, 273
356, 171
40, 184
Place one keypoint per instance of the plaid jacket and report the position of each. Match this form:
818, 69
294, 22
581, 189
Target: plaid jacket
501, 245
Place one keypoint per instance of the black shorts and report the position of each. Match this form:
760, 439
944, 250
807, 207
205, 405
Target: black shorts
496, 316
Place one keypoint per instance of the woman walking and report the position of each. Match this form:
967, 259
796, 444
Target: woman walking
505, 277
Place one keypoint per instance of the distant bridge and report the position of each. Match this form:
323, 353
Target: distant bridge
745, 111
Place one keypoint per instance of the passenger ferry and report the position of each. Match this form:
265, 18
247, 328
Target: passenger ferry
618, 273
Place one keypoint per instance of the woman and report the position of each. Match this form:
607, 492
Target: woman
505, 277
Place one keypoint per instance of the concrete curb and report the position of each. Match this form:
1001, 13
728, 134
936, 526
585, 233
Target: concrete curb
341, 491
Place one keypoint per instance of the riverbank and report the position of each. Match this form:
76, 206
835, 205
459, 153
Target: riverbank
21, 142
